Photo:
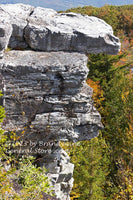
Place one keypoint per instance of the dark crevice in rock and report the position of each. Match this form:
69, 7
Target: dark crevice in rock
31, 13
24, 37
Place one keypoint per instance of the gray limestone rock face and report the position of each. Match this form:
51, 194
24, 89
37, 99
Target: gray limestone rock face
5, 31
69, 32
60, 172
19, 14
46, 30
47, 93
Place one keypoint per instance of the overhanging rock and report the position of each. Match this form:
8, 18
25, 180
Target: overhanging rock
46, 30
45, 94
69, 32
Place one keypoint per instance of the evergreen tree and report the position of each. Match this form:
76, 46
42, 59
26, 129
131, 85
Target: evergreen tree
103, 166
117, 109
90, 167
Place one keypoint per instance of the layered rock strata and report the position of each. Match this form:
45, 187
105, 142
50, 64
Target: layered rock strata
47, 93
46, 97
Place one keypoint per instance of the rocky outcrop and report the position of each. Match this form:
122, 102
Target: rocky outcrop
46, 97
47, 93
46, 30
69, 32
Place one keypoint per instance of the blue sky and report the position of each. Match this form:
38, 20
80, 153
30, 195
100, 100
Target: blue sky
65, 4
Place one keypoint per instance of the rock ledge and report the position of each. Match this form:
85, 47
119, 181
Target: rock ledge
46, 30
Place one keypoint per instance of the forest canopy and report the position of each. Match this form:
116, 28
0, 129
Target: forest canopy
104, 165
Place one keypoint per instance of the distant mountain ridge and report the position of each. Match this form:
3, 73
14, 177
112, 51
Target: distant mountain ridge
66, 4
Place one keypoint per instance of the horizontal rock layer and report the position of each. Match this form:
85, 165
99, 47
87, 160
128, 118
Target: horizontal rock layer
46, 30
47, 93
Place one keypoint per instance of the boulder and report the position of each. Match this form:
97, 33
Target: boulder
46, 30
19, 14
69, 32
5, 30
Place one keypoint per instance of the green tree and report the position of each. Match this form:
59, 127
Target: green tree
90, 168
117, 109
103, 166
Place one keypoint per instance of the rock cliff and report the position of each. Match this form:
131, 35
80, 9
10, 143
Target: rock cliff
43, 79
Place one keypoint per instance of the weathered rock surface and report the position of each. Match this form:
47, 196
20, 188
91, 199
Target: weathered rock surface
60, 172
19, 14
5, 31
48, 91
70, 32
45, 94
46, 30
